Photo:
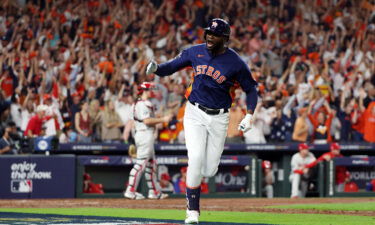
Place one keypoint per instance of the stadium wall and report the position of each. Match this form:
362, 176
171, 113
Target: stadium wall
60, 175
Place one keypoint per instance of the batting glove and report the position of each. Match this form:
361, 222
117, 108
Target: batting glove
151, 67
246, 123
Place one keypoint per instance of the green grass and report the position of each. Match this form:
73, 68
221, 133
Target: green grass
356, 206
208, 216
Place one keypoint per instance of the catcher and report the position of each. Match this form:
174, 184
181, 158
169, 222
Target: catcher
144, 123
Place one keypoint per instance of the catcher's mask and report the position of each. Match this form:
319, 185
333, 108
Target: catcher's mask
146, 86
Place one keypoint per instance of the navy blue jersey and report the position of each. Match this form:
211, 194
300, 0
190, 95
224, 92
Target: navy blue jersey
214, 76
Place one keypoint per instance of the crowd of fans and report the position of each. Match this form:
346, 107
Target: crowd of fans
71, 68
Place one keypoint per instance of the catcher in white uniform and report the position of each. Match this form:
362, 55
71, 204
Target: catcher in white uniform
217, 69
145, 122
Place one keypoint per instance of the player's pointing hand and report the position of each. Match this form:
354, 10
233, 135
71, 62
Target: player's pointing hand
151, 67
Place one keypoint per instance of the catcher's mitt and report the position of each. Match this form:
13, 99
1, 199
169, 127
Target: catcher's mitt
132, 151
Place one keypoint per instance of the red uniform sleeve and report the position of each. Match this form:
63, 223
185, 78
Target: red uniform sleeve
321, 158
311, 165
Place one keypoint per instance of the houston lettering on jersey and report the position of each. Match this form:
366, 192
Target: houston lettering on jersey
210, 71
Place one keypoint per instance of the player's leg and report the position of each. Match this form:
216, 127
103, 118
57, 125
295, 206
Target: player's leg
142, 141
217, 132
269, 191
196, 137
295, 179
195, 143
303, 187
150, 177
134, 178
305, 179
152, 181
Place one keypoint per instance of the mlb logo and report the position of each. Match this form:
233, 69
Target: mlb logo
21, 186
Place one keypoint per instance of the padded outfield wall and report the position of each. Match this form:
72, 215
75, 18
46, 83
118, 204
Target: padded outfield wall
60, 174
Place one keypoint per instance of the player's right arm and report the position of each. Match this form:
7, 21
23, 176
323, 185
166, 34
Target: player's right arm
295, 165
143, 114
152, 121
316, 161
170, 67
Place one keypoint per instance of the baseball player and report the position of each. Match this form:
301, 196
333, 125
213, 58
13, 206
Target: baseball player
216, 69
300, 174
144, 122
268, 178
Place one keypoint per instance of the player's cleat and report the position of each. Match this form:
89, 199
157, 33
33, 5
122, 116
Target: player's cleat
161, 195
192, 217
133, 195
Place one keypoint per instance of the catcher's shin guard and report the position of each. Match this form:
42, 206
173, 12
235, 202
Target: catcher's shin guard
136, 174
151, 178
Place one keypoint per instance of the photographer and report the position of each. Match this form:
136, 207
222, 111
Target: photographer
7, 145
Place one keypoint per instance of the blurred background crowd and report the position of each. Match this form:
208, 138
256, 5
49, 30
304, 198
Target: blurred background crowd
70, 69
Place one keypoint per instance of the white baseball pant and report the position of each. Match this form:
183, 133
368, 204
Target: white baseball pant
299, 185
144, 140
205, 137
145, 162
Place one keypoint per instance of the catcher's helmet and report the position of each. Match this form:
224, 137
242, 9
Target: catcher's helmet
218, 27
145, 86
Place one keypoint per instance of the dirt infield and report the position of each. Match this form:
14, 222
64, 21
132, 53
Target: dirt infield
237, 204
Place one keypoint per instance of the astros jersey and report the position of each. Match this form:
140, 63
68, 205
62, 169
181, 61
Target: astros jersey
214, 76
142, 110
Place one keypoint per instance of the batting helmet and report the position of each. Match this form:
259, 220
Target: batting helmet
218, 27
145, 86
